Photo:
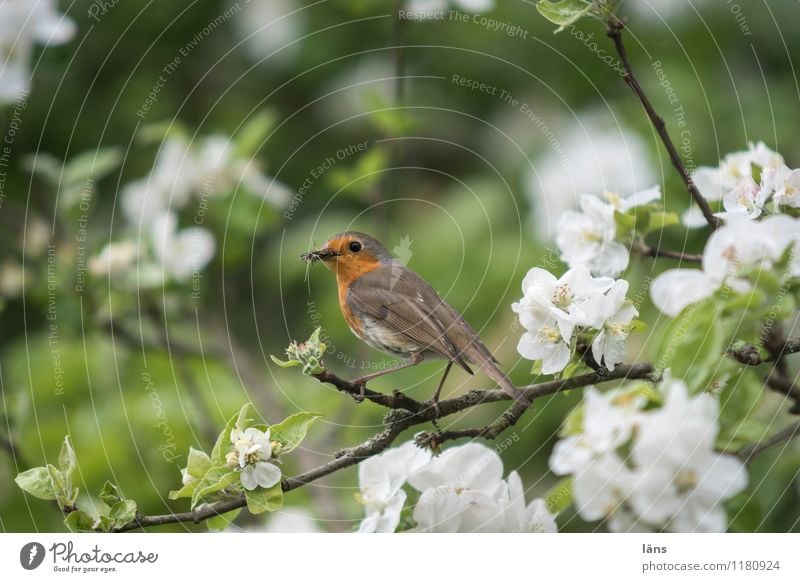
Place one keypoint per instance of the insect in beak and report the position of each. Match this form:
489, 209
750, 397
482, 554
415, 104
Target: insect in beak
319, 255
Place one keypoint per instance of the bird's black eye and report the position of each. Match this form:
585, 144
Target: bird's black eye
355, 246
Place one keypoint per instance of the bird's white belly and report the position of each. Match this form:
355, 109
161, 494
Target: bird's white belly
383, 338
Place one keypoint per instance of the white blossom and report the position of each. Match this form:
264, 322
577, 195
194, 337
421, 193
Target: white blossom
608, 422
733, 183
463, 491
114, 258
572, 300
587, 238
680, 480
182, 253
253, 450
617, 313
747, 198
269, 29
24, 23
672, 478
534, 517
381, 479
731, 251
786, 183
551, 310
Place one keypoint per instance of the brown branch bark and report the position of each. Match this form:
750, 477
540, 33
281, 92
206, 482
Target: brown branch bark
657, 252
614, 31
750, 355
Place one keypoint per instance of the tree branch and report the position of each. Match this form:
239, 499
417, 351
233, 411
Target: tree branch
614, 31
656, 252
747, 454
750, 355
397, 421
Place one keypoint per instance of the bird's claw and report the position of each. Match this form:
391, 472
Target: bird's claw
361, 396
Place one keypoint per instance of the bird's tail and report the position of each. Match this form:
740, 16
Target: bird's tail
496, 374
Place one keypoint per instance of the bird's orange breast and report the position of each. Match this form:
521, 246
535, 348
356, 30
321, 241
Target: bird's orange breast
348, 271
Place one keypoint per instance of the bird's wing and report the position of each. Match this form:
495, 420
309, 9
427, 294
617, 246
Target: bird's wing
406, 308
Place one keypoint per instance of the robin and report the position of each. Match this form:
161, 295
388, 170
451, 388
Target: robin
395, 311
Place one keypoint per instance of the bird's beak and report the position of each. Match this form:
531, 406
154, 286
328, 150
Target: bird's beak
322, 254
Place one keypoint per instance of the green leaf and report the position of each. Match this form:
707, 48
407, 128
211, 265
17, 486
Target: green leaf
198, 463
260, 500
216, 479
559, 497
223, 521
110, 494
563, 12
45, 165
660, 220
250, 138
185, 491
66, 459
693, 343
291, 432
745, 513
122, 512
92, 164
79, 521
739, 398
37, 482
286, 363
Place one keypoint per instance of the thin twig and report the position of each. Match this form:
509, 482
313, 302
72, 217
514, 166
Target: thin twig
657, 252
747, 454
614, 31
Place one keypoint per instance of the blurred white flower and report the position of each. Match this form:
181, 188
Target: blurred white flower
586, 238
291, 520
601, 480
460, 491
519, 518
169, 186
680, 481
184, 253
381, 479
786, 183
735, 172
182, 171
740, 245
590, 155
24, 23
746, 198
608, 423
463, 491
673, 478
115, 258
12, 278
267, 29
254, 451
608, 347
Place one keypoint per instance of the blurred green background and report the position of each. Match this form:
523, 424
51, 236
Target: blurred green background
463, 183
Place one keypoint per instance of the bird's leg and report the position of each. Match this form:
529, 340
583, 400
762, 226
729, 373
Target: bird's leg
415, 359
435, 399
